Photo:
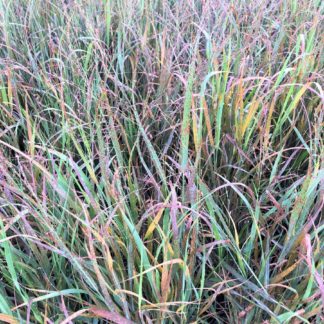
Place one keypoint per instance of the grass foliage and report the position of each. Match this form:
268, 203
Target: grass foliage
161, 161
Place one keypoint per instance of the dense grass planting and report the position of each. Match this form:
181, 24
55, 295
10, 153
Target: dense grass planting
161, 161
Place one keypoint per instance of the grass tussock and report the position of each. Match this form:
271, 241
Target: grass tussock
161, 161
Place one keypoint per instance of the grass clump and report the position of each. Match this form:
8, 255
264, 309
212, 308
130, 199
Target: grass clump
161, 161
